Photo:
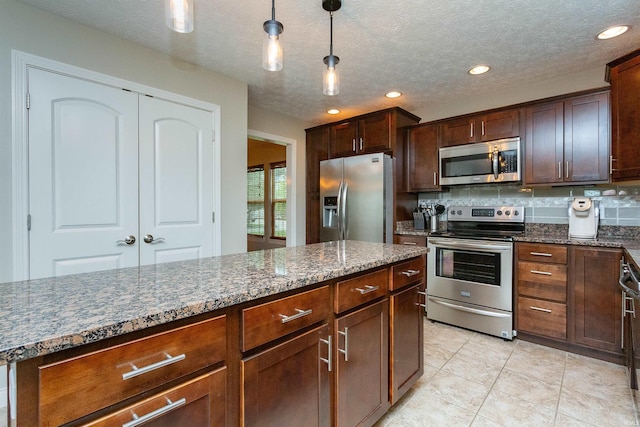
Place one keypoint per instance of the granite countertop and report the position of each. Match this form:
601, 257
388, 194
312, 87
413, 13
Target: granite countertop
39, 317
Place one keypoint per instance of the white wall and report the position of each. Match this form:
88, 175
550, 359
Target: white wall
40, 33
584, 80
277, 124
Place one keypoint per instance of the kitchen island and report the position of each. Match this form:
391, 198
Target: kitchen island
234, 316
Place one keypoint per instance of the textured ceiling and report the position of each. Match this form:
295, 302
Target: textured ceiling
422, 48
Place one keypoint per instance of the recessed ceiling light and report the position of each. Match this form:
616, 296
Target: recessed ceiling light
612, 32
393, 94
479, 69
333, 111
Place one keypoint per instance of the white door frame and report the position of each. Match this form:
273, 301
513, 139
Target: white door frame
292, 155
21, 61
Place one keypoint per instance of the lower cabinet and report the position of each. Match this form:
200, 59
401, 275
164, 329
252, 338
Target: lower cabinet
200, 402
586, 317
597, 299
362, 365
289, 383
406, 346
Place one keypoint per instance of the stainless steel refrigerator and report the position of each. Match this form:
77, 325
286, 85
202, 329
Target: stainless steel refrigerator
356, 198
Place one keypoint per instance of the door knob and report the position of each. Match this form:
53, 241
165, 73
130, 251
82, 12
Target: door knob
148, 238
129, 240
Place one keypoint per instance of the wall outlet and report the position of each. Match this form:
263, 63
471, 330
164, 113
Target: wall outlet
592, 193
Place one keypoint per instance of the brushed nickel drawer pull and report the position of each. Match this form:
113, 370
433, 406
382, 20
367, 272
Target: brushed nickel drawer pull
540, 254
329, 357
410, 273
154, 414
544, 273
139, 371
367, 289
546, 310
345, 334
299, 314
409, 243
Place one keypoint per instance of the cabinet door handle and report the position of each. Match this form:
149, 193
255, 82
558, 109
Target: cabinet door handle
410, 273
409, 243
299, 314
435, 178
328, 360
610, 165
367, 289
354, 145
544, 273
345, 334
136, 421
540, 254
559, 170
566, 171
135, 371
545, 310
361, 144
471, 132
483, 128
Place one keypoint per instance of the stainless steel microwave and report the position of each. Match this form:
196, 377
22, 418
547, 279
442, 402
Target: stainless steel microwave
480, 163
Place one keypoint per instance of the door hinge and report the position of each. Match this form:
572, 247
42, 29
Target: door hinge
29, 222
213, 217
28, 100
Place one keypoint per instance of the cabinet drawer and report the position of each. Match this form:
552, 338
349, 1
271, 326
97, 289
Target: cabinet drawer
542, 318
547, 281
104, 377
275, 319
200, 402
411, 240
353, 292
408, 272
539, 252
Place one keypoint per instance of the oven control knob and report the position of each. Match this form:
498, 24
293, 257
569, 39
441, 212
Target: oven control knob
452, 212
459, 212
499, 213
507, 213
516, 213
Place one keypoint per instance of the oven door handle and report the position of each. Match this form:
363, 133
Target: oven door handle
469, 309
452, 244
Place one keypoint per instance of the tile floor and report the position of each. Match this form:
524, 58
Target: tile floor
471, 379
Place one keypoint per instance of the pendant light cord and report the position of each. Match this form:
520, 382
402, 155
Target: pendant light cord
331, 34
273, 10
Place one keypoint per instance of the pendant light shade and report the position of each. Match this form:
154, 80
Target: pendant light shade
272, 53
179, 15
330, 78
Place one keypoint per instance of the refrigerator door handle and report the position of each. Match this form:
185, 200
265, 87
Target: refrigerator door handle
345, 225
339, 208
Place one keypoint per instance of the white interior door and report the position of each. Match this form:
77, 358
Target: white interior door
83, 175
176, 181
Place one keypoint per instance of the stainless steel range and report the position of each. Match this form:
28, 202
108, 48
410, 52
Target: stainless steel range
470, 269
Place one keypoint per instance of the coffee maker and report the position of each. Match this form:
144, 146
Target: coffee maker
584, 217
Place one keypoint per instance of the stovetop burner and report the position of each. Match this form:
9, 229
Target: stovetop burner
484, 222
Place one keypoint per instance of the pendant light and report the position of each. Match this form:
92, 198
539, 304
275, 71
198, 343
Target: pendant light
179, 15
271, 48
330, 78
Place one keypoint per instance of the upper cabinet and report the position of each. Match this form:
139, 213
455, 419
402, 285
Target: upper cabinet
479, 128
370, 133
422, 158
568, 141
624, 76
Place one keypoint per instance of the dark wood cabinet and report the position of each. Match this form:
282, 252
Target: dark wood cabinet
422, 158
410, 240
362, 365
370, 133
289, 383
479, 128
317, 150
406, 340
541, 271
568, 141
624, 76
597, 301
